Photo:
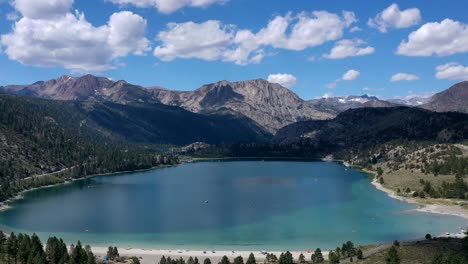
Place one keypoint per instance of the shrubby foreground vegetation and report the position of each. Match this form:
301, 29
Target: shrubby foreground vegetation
25, 249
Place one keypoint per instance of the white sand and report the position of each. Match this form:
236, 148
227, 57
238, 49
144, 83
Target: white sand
424, 208
154, 255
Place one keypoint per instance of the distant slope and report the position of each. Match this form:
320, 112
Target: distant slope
152, 123
40, 136
162, 124
365, 127
454, 99
336, 105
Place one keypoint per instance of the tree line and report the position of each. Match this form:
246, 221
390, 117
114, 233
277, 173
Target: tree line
25, 249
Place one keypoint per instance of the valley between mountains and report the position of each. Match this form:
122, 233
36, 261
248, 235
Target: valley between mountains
88, 125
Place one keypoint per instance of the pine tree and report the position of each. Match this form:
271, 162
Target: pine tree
12, 248
359, 254
224, 260
317, 257
333, 257
392, 256
207, 261
251, 259
239, 260
301, 258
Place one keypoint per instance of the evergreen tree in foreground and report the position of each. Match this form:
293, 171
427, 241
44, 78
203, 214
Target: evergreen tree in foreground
239, 260
207, 261
317, 257
224, 260
251, 259
392, 256
333, 257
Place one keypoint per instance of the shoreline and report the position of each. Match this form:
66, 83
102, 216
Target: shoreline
154, 255
6, 205
435, 208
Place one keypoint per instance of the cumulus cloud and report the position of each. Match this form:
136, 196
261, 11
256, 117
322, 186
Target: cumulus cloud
350, 75
349, 48
43, 9
452, 71
393, 17
206, 41
69, 40
445, 38
404, 77
243, 46
286, 80
167, 6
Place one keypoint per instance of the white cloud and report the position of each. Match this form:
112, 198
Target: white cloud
393, 17
127, 34
367, 88
286, 80
167, 6
349, 48
228, 43
43, 9
355, 29
445, 38
69, 40
350, 75
207, 41
452, 71
404, 77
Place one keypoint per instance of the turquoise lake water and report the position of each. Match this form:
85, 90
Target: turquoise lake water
271, 205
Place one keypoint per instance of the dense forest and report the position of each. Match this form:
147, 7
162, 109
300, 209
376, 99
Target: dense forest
46, 143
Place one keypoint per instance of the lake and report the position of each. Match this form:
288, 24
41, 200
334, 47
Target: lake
272, 205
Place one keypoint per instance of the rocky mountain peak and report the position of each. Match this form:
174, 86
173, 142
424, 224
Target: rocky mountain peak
454, 99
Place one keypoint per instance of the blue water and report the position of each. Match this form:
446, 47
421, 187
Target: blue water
225, 205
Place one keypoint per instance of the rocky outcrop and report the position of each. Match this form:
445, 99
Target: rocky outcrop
270, 105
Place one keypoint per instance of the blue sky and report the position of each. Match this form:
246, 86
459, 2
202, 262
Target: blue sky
183, 44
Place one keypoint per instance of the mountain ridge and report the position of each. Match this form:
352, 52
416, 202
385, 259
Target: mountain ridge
269, 105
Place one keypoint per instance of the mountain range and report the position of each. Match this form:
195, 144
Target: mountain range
253, 110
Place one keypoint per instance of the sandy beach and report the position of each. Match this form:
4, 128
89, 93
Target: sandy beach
152, 256
425, 208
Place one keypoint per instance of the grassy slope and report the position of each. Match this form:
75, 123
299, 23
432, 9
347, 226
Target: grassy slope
421, 252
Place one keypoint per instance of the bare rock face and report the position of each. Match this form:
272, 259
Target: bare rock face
454, 99
270, 105
83, 88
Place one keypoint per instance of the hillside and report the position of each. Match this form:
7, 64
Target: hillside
365, 127
147, 123
40, 136
454, 99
